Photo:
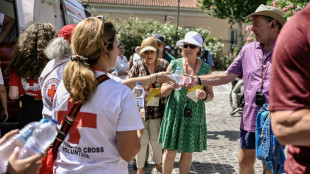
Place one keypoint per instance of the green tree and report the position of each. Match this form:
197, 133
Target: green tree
234, 10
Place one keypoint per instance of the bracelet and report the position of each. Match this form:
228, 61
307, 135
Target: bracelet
156, 77
199, 81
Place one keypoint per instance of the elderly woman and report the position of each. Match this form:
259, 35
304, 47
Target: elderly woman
25, 69
150, 64
183, 127
106, 132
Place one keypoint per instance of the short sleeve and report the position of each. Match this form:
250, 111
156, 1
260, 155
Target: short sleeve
129, 118
236, 66
14, 80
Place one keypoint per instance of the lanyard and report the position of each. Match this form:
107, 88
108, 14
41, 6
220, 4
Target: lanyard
263, 73
98, 69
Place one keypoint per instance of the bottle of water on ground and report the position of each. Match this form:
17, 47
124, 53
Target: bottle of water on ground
115, 73
139, 93
18, 140
178, 76
41, 138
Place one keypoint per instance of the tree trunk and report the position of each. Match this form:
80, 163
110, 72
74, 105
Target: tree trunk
240, 37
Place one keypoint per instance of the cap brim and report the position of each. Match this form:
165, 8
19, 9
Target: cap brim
148, 48
181, 42
274, 15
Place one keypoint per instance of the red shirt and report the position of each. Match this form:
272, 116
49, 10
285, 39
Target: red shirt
28, 87
290, 80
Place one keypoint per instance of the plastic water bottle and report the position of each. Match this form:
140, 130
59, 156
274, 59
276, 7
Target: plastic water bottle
42, 137
115, 73
18, 140
139, 93
178, 76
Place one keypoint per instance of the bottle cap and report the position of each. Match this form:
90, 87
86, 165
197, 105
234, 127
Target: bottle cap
116, 70
178, 68
138, 83
54, 121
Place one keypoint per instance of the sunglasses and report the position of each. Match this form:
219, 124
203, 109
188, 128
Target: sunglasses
190, 45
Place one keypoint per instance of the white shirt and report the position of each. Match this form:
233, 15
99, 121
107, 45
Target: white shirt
122, 65
110, 109
49, 81
136, 57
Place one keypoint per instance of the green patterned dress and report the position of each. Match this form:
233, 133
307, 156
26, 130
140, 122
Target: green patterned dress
184, 134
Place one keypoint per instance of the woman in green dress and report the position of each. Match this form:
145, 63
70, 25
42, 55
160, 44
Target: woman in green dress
183, 127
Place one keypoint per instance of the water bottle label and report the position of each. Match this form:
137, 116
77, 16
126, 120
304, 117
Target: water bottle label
24, 136
140, 102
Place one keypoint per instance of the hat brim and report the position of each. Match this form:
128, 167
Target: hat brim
181, 42
274, 15
148, 48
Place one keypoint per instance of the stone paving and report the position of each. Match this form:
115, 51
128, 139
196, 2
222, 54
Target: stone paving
222, 151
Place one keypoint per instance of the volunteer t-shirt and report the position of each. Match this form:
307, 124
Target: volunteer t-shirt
49, 81
28, 87
90, 146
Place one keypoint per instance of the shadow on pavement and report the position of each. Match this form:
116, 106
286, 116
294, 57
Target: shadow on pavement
207, 168
231, 135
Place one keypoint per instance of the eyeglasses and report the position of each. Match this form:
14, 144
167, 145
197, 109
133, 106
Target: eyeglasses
190, 45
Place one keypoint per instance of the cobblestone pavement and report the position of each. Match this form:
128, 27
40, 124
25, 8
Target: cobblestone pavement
222, 151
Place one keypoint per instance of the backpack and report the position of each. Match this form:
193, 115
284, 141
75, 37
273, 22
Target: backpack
268, 148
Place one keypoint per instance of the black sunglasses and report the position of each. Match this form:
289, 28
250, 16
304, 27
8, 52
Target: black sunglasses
190, 45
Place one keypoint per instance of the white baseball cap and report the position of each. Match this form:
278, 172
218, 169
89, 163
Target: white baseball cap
191, 37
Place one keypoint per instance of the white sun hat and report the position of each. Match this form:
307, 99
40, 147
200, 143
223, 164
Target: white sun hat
191, 37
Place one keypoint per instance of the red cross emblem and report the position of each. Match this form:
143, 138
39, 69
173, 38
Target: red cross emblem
51, 92
83, 119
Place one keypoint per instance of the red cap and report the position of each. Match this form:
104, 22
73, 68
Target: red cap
66, 32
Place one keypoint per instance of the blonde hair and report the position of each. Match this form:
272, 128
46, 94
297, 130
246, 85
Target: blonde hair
89, 40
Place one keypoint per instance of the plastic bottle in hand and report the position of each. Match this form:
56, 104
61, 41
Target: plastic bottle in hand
139, 93
115, 73
178, 76
18, 140
42, 137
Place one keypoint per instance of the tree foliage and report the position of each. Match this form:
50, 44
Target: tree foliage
234, 10
132, 31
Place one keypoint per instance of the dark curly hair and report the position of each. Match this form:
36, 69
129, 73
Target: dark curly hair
28, 57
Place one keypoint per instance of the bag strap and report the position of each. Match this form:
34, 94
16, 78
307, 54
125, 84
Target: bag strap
69, 119
54, 69
147, 72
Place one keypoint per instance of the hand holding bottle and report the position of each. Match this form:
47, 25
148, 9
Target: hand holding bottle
24, 166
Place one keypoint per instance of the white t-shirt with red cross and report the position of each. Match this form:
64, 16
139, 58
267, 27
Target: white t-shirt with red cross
90, 146
49, 81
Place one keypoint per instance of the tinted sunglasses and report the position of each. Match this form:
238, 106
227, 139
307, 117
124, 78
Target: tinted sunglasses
190, 45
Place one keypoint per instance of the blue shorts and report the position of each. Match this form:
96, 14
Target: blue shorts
247, 139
